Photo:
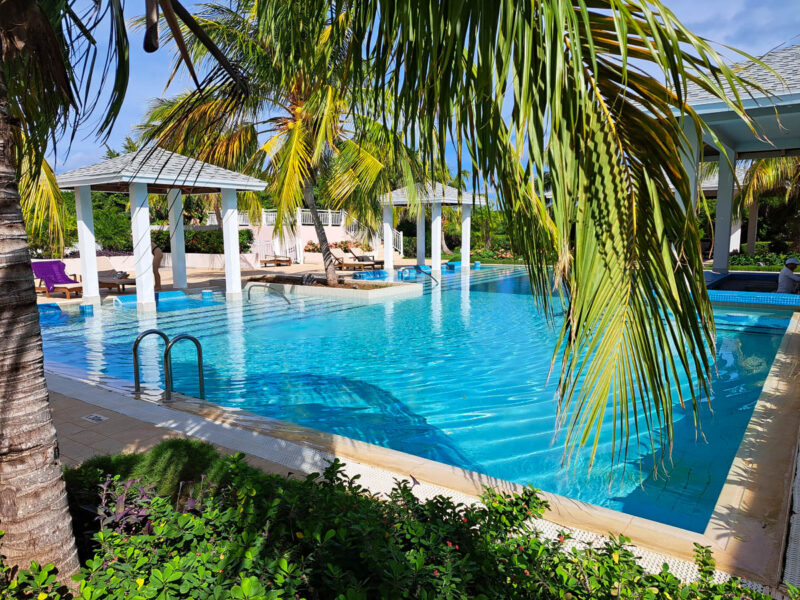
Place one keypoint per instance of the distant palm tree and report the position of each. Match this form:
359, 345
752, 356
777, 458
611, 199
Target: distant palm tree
48, 51
302, 102
766, 177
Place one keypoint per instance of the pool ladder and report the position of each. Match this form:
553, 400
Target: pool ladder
168, 382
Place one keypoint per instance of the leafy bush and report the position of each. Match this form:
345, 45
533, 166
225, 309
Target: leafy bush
410, 246
762, 247
112, 228
764, 259
238, 533
204, 241
344, 245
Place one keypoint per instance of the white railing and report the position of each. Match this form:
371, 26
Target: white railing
244, 219
329, 218
358, 232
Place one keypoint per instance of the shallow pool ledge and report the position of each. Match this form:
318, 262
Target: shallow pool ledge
383, 292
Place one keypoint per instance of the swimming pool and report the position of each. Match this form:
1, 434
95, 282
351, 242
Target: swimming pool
458, 375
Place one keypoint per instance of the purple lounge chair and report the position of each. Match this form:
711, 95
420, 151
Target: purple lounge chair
52, 277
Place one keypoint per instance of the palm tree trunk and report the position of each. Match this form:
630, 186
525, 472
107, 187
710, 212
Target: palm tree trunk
322, 238
752, 228
33, 500
445, 249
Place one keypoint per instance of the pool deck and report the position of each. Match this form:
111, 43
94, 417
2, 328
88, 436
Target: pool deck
213, 279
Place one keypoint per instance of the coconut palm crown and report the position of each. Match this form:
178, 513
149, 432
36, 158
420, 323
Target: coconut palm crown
297, 130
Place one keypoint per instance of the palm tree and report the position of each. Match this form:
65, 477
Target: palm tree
766, 177
301, 103
531, 86
48, 51
610, 131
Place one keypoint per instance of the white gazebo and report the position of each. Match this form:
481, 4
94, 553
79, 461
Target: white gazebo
776, 119
156, 171
435, 195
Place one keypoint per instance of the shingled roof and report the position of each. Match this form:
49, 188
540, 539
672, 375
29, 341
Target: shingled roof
161, 170
784, 61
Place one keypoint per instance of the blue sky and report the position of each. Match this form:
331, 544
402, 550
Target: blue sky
755, 26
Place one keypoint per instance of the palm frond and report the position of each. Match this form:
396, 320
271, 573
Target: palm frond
586, 107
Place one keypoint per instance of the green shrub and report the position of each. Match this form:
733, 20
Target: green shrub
238, 533
762, 247
204, 241
765, 259
112, 228
343, 245
410, 246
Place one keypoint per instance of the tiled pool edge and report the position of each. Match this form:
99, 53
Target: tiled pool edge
751, 517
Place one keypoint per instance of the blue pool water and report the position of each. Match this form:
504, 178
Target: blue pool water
458, 376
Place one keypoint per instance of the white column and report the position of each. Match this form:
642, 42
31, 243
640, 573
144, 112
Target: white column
177, 244
142, 253
388, 229
436, 237
722, 224
690, 157
466, 241
421, 236
230, 238
736, 235
86, 243
298, 237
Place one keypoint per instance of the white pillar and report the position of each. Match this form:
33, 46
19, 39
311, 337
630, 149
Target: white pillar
230, 238
142, 253
388, 229
690, 157
722, 223
736, 235
421, 236
436, 237
86, 243
298, 237
466, 242
177, 244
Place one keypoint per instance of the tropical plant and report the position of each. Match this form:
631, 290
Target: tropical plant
594, 93
49, 53
183, 522
779, 176
300, 100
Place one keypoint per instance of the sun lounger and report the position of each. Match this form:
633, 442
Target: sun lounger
108, 277
276, 261
361, 257
344, 262
52, 277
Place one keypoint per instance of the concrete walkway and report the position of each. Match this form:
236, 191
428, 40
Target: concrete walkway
85, 430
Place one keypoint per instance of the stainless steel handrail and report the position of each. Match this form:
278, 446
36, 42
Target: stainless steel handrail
144, 334
267, 286
168, 364
436, 281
